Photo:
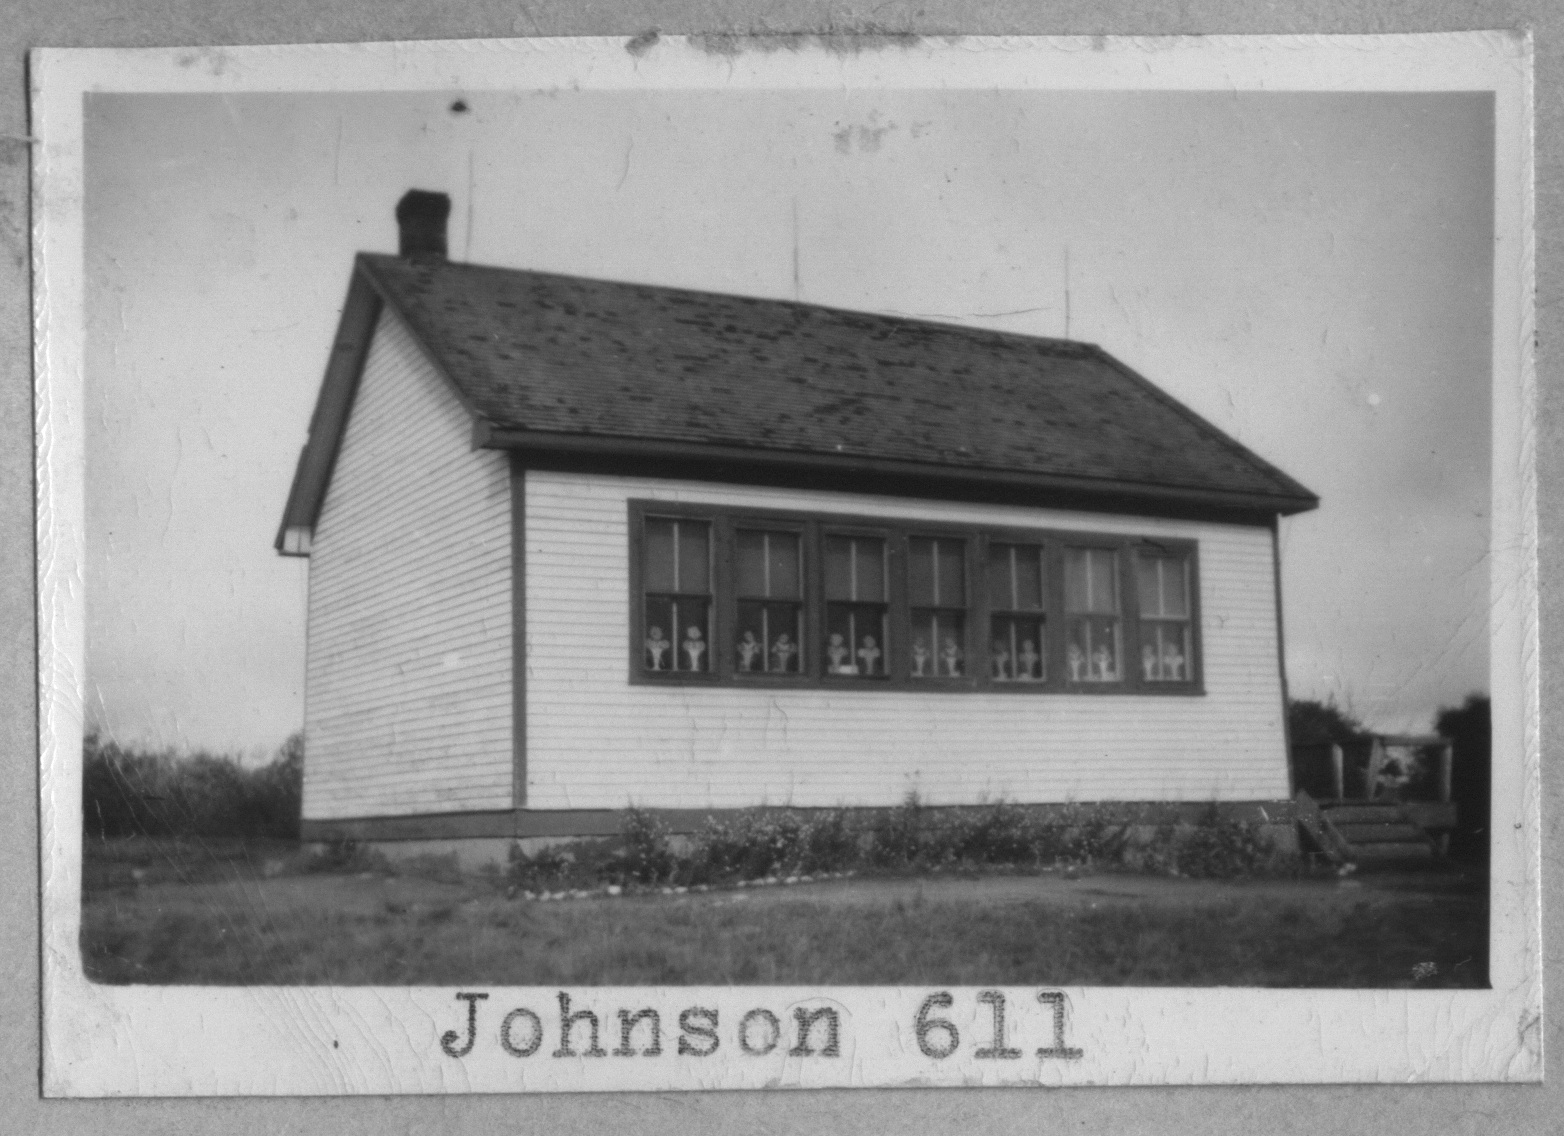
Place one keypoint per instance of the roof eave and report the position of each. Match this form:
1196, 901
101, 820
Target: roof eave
350, 346
1288, 486
750, 464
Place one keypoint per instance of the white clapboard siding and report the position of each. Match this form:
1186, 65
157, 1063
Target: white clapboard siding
596, 741
409, 700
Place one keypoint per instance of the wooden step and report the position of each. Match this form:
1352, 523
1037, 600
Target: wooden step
1363, 814
1399, 852
1401, 833
1368, 833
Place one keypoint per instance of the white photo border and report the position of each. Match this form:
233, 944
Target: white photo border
194, 1041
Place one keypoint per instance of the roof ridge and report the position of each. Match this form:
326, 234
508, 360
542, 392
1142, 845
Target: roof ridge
1064, 347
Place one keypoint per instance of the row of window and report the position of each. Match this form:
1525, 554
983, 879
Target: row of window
781, 598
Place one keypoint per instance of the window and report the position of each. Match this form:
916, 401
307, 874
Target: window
937, 598
769, 587
857, 607
676, 568
1091, 605
768, 598
1018, 626
1166, 649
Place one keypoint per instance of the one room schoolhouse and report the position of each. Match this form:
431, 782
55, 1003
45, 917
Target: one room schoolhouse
578, 545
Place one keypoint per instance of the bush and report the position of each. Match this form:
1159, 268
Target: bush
645, 856
761, 843
127, 792
898, 837
1223, 848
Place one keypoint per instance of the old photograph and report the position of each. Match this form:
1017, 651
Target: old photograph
791, 522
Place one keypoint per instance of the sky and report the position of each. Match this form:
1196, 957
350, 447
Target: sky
1310, 272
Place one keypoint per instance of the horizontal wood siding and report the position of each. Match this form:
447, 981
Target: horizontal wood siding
408, 702
596, 741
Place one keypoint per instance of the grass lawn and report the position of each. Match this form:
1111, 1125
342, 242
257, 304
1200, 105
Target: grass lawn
192, 916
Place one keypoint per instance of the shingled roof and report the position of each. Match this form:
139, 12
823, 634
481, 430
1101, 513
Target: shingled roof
555, 364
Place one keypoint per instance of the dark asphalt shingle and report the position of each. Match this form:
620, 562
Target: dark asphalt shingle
542, 352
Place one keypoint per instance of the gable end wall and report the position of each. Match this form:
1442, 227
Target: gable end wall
408, 705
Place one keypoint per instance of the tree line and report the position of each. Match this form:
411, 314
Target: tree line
130, 792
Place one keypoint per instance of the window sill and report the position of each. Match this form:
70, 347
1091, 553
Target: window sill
840, 683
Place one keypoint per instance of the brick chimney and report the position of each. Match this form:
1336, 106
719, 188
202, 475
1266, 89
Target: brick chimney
421, 217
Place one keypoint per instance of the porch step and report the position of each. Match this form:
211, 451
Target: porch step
1409, 852
1359, 835
1360, 812
1366, 833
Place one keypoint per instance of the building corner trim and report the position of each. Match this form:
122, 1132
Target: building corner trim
518, 602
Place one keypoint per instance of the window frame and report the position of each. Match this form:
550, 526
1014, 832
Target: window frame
1168, 549
728, 598
813, 527
1049, 615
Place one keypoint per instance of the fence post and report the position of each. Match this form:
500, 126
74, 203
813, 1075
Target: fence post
1376, 764
1446, 761
1338, 782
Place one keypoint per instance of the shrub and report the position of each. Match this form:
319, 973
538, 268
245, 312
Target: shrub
1000, 834
833, 845
1222, 848
645, 856
898, 838
759, 842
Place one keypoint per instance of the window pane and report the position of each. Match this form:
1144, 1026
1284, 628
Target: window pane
855, 569
784, 564
838, 568
1091, 581
659, 644
694, 561
691, 616
938, 644
871, 570
1165, 652
1163, 586
920, 571
1093, 651
769, 638
768, 564
1104, 578
751, 563
1015, 577
657, 556
1175, 589
1000, 595
1075, 579
951, 560
936, 572
855, 639
1149, 586
1017, 651
1029, 578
